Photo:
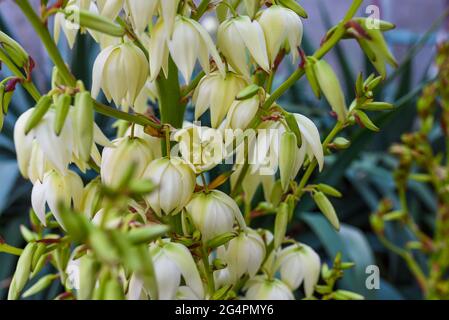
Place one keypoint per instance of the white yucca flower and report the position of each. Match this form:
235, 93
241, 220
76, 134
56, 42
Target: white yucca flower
157, 46
173, 261
70, 29
191, 42
127, 153
140, 12
153, 142
214, 213
266, 148
281, 25
201, 147
239, 36
121, 71
252, 181
56, 188
110, 8
217, 92
244, 254
262, 288
299, 263
242, 113
176, 182
40, 145
36, 151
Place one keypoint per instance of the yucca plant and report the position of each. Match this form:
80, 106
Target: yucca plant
196, 231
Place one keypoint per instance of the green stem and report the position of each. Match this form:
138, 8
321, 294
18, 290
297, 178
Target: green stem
193, 84
47, 40
201, 10
28, 85
6, 248
327, 46
208, 271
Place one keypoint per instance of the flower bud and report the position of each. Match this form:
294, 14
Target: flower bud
176, 182
287, 158
62, 107
39, 112
14, 50
244, 254
22, 272
88, 269
236, 37
262, 288
83, 124
121, 82
217, 92
327, 209
214, 213
297, 264
98, 23
281, 25
293, 5
42, 284
331, 88
280, 224
128, 153
242, 113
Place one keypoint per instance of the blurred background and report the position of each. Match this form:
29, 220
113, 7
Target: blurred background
363, 172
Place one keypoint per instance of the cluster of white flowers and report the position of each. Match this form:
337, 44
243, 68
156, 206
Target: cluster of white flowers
212, 247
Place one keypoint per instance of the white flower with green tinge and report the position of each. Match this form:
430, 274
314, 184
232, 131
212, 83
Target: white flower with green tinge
298, 264
214, 213
176, 182
263, 288
121, 71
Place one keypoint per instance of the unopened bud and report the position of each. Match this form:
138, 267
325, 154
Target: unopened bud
14, 50
221, 240
22, 272
39, 112
62, 110
146, 234
366, 121
294, 6
40, 285
341, 143
287, 158
96, 22
280, 224
330, 191
249, 92
327, 209
84, 123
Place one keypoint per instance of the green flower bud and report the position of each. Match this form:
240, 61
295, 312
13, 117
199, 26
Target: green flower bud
83, 122
331, 88
146, 234
327, 209
287, 158
87, 276
40, 285
22, 272
280, 224
377, 106
39, 112
113, 290
293, 5
62, 110
341, 143
347, 295
221, 240
249, 92
366, 121
96, 22
311, 77
330, 191
14, 50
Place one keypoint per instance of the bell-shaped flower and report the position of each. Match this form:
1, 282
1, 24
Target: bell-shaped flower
127, 154
56, 189
110, 8
281, 25
172, 263
239, 36
140, 12
263, 288
191, 42
36, 150
217, 92
298, 264
214, 213
153, 142
175, 181
244, 254
242, 113
121, 71
70, 29
201, 147
40, 144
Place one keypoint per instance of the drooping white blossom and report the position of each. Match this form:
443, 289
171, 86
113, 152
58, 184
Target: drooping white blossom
281, 25
176, 182
239, 36
217, 92
263, 288
121, 72
298, 264
214, 213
